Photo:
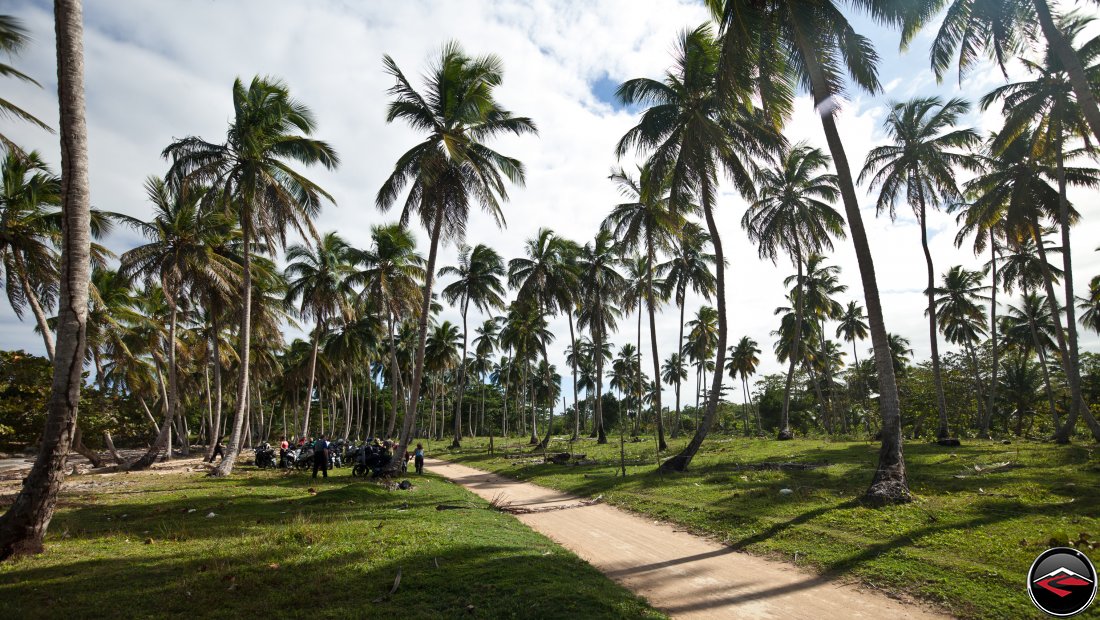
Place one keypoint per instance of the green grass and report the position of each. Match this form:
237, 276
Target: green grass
130, 546
965, 544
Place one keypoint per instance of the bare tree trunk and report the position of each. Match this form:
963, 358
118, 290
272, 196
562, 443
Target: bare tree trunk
795, 350
942, 431
215, 432
82, 450
36, 306
681, 461
983, 431
225, 467
24, 525
461, 383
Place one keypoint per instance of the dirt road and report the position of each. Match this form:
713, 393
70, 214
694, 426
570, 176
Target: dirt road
682, 574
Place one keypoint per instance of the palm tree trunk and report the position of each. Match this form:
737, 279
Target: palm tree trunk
601, 435
1063, 49
795, 350
215, 432
681, 461
1073, 377
312, 378
890, 482
983, 432
422, 336
576, 406
651, 303
942, 431
679, 352
36, 306
461, 383
225, 467
24, 525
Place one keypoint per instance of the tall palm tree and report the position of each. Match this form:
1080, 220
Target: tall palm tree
1002, 30
478, 281
29, 196
390, 272
601, 286
964, 321
852, 326
13, 38
701, 340
790, 43
646, 224
1014, 194
320, 277
441, 355
922, 164
485, 344
674, 372
1047, 102
452, 168
688, 269
792, 215
250, 175
180, 255
1029, 327
744, 358
23, 526
692, 133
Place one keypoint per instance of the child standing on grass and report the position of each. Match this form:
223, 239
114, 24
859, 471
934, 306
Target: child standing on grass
419, 456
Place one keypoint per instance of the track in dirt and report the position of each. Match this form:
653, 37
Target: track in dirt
684, 575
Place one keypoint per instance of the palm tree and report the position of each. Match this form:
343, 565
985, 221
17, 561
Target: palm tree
1014, 194
180, 255
390, 272
784, 44
701, 340
319, 276
964, 321
922, 163
792, 215
478, 276
645, 223
29, 194
744, 358
485, 344
689, 269
1047, 102
249, 174
1090, 306
900, 352
452, 167
600, 288
674, 372
441, 355
1030, 327
1001, 29
692, 132
852, 326
24, 525
13, 38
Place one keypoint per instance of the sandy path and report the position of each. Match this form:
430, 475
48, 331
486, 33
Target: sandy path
682, 574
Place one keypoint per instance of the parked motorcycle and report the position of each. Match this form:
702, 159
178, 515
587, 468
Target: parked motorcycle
265, 456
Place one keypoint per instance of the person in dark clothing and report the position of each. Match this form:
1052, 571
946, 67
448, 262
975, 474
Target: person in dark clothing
219, 450
419, 456
320, 456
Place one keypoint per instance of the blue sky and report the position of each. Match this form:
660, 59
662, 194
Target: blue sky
161, 70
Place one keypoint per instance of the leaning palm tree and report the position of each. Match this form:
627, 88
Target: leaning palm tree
784, 44
478, 281
452, 168
601, 286
922, 164
646, 223
320, 277
249, 174
13, 38
24, 525
792, 215
692, 133
688, 269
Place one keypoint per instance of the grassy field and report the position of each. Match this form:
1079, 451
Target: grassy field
143, 545
965, 543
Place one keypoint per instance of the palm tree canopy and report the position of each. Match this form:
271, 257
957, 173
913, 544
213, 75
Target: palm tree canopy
452, 168
319, 277
13, 38
478, 279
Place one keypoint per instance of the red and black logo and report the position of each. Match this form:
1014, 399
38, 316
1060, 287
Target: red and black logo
1062, 582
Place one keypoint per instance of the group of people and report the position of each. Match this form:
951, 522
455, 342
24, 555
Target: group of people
322, 453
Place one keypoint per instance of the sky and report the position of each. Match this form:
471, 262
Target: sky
157, 71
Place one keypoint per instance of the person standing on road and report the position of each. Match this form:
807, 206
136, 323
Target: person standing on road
320, 456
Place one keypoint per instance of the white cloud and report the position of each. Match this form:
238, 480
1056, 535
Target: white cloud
156, 71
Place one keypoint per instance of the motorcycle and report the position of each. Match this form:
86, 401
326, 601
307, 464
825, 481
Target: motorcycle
265, 456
